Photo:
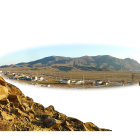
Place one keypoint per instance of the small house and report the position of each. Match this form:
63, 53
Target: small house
35, 78
40, 79
105, 83
80, 82
13, 74
64, 81
98, 82
28, 78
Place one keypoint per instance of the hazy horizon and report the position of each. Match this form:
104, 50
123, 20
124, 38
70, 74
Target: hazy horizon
74, 50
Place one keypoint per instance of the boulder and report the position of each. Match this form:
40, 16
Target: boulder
3, 90
91, 127
3, 93
2, 82
7, 116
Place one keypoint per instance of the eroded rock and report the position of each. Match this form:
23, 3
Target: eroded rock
3, 93
20, 113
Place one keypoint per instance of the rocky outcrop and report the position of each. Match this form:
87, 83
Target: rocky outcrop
20, 113
3, 90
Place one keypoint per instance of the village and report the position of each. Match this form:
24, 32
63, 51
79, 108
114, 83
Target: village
23, 77
41, 81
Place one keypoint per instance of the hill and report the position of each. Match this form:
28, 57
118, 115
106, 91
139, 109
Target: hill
90, 63
21, 113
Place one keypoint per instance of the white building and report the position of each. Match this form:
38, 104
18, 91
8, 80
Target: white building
80, 82
65, 81
48, 86
98, 82
13, 74
40, 79
35, 78
105, 83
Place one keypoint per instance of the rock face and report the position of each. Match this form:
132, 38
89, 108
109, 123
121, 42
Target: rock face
3, 90
20, 113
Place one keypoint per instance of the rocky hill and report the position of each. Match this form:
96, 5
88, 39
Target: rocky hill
20, 113
90, 63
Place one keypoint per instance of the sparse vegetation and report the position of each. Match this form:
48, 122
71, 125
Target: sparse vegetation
52, 76
109, 70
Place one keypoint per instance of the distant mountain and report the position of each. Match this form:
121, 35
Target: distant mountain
100, 63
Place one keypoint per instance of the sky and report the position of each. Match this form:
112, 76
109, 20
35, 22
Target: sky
52, 23
71, 50
33, 24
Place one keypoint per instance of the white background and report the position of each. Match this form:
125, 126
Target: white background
27, 23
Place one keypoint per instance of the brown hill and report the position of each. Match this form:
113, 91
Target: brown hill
90, 63
20, 113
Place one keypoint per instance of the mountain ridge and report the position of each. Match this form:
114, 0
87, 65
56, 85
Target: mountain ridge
99, 63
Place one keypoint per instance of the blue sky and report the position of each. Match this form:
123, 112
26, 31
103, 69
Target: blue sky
73, 50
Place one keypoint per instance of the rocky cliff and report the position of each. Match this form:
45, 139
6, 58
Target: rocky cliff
20, 113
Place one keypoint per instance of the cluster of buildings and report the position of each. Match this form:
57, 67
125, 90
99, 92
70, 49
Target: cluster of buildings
68, 81
22, 77
94, 83
63, 81
100, 82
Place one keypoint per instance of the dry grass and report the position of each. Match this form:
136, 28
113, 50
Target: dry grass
53, 75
